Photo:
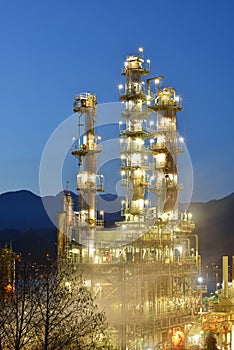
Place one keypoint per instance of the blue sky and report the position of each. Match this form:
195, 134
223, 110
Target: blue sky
52, 49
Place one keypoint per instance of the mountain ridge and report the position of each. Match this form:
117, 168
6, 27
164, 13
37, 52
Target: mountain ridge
24, 221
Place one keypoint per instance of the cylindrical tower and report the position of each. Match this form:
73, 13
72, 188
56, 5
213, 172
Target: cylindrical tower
65, 225
133, 132
88, 182
164, 148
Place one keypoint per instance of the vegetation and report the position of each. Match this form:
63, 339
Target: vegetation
51, 310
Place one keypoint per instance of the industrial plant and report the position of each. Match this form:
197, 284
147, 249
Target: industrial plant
143, 272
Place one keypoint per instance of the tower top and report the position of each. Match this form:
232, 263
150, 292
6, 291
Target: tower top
84, 100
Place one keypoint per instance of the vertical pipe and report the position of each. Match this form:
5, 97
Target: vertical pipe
232, 270
225, 276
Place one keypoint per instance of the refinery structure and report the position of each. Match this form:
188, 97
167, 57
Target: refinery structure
144, 270
7, 270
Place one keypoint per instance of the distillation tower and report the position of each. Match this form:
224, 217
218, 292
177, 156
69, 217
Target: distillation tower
147, 285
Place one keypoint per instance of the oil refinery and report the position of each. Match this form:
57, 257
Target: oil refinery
143, 272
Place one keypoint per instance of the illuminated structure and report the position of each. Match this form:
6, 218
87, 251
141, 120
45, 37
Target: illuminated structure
7, 270
146, 283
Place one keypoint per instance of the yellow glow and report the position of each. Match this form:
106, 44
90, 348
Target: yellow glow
160, 157
9, 288
140, 49
139, 203
75, 251
136, 158
120, 86
92, 213
164, 216
139, 141
177, 338
138, 172
91, 250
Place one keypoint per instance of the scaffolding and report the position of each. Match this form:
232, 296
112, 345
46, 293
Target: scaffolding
147, 285
7, 270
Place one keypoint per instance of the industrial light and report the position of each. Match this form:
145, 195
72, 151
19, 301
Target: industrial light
180, 248
120, 86
140, 49
148, 61
157, 81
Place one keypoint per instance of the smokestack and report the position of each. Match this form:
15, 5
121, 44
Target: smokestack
225, 276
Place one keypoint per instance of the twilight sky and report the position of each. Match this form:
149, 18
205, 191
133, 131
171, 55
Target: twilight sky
51, 50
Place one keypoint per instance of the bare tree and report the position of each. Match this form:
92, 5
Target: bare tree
51, 310
67, 314
18, 309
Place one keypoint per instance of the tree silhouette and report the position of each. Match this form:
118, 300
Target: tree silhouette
51, 310
17, 312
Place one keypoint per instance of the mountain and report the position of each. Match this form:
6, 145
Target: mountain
22, 210
215, 227
24, 221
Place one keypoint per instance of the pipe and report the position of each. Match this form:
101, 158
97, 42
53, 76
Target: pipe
233, 270
225, 276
